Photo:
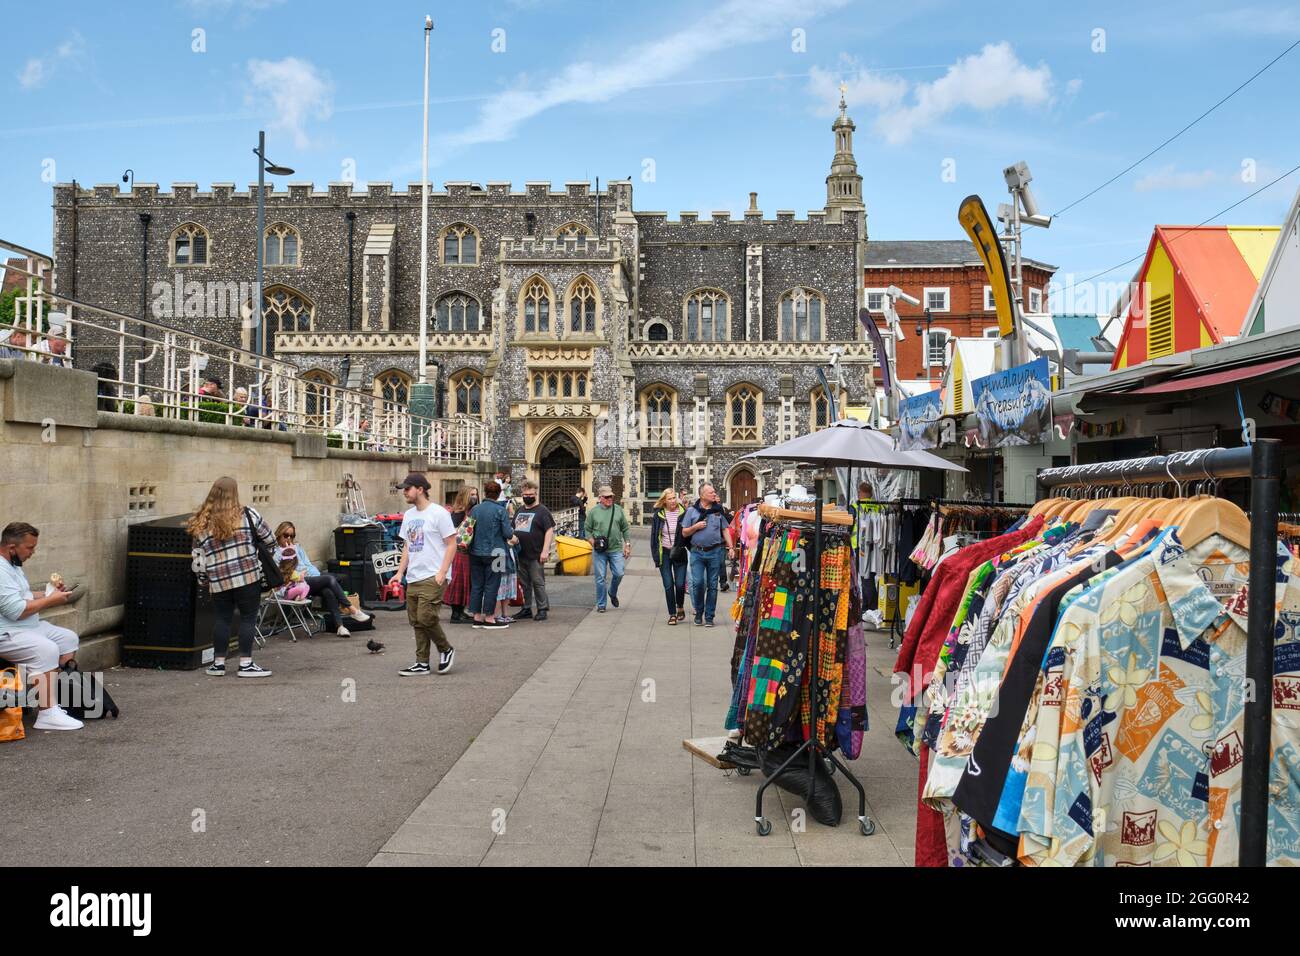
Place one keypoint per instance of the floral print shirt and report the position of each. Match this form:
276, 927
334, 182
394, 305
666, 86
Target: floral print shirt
1138, 739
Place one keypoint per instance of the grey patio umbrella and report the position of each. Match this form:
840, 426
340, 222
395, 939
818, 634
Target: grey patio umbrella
849, 443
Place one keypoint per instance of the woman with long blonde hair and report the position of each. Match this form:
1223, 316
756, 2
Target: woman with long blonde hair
228, 565
665, 542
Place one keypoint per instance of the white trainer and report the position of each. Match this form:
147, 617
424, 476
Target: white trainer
360, 617
56, 718
343, 631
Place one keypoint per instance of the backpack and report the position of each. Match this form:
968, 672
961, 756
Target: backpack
83, 695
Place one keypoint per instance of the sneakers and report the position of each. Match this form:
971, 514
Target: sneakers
613, 599
698, 620
599, 609
446, 660
216, 669
709, 623
252, 670
541, 615
524, 615
56, 718
343, 631
418, 669
494, 625
360, 617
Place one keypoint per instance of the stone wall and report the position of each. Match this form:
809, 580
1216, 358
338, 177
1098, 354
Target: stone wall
83, 478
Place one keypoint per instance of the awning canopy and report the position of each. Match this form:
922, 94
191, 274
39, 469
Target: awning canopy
1191, 383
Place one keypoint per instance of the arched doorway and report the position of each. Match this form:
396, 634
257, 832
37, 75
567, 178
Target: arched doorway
559, 470
743, 489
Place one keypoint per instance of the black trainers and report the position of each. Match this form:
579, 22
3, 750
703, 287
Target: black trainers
523, 615
418, 669
709, 623
446, 660
252, 670
216, 669
541, 615
698, 620
613, 599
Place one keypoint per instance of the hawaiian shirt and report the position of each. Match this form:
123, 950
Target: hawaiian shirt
973, 702
1138, 749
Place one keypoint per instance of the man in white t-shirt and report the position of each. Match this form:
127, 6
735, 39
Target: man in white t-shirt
428, 547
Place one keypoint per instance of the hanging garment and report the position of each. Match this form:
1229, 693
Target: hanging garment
918, 653
1144, 764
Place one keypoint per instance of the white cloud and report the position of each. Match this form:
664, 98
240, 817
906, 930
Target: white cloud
1170, 177
38, 70
1072, 88
1098, 117
294, 91
869, 88
984, 81
734, 23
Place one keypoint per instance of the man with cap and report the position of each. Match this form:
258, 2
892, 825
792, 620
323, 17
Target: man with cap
608, 521
55, 345
428, 548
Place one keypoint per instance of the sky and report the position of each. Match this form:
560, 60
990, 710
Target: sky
698, 103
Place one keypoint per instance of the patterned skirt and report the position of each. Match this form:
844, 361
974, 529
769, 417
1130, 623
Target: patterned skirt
458, 590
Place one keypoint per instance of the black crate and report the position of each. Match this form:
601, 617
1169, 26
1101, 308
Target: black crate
358, 544
356, 577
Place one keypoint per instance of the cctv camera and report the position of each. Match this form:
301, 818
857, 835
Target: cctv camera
896, 293
1017, 176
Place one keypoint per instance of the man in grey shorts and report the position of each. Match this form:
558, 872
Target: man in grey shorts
38, 647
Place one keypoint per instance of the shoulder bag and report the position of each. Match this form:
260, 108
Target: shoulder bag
272, 578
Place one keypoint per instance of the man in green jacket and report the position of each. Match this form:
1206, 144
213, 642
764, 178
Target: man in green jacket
608, 521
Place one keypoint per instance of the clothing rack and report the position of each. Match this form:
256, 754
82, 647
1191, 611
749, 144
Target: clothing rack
1262, 463
813, 745
896, 627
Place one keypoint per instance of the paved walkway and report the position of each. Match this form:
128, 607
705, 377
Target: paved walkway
584, 764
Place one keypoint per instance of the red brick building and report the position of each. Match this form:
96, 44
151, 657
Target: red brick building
948, 276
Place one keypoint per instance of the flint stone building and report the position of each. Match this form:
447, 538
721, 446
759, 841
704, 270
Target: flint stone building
599, 342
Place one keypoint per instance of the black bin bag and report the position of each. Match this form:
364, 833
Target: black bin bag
825, 807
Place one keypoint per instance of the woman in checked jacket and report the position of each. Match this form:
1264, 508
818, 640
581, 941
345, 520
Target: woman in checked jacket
226, 562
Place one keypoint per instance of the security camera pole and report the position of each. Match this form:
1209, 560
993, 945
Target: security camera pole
1018, 178
422, 399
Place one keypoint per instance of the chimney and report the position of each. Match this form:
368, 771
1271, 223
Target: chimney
753, 202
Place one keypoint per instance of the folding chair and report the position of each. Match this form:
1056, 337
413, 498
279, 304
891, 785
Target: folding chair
278, 614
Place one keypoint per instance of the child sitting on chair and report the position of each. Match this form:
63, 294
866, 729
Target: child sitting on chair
295, 586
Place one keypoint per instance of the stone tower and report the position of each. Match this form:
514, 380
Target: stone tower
844, 185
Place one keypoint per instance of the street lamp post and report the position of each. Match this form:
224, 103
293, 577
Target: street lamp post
422, 394
263, 167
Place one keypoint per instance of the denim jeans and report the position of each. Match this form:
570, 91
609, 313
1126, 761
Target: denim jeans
247, 600
601, 564
485, 581
705, 568
674, 579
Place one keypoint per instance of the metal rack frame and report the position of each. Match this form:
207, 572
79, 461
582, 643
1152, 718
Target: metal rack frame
1262, 464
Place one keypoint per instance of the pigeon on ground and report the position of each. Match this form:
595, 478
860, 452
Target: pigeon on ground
374, 646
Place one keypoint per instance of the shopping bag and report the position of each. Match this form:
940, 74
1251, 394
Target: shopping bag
11, 712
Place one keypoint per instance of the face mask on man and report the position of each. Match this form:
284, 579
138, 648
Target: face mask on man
530, 500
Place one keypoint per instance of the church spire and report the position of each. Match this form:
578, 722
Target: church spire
844, 185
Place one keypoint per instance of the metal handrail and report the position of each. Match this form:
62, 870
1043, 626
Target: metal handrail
169, 365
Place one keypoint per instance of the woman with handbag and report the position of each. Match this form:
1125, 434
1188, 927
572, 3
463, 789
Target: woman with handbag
669, 552
233, 559
457, 595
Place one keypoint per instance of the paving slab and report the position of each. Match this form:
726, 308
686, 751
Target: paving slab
591, 770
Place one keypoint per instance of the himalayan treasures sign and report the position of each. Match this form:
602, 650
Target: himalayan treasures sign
1014, 407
